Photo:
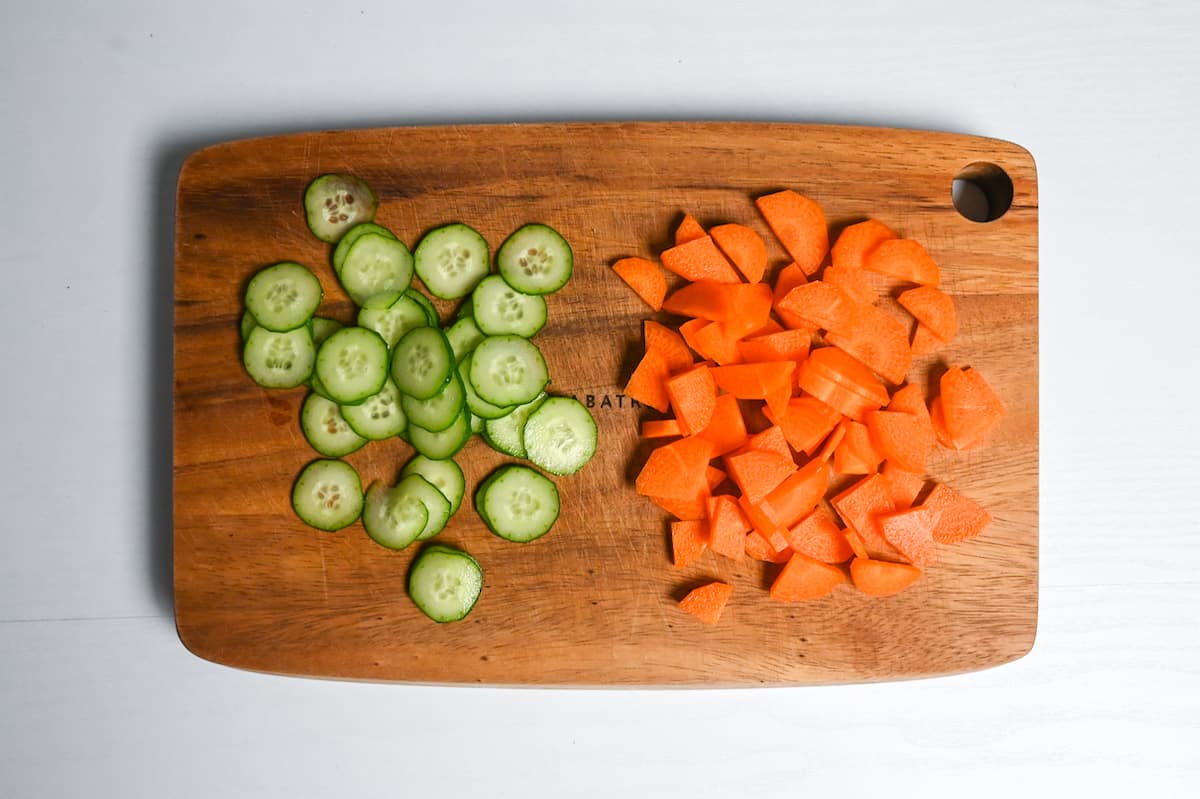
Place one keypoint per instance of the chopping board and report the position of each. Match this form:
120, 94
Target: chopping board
594, 601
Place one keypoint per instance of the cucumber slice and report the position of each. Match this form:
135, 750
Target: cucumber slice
535, 260
318, 387
328, 495
379, 416
394, 321
517, 503
352, 235
507, 370
439, 411
441, 444
499, 309
475, 423
451, 260
478, 406
422, 362
445, 475
283, 296
352, 365
445, 583
435, 502
376, 264
431, 312
560, 436
393, 520
464, 335
506, 434
246, 325
335, 203
279, 360
326, 430
323, 328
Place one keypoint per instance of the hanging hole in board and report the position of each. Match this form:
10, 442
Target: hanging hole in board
982, 192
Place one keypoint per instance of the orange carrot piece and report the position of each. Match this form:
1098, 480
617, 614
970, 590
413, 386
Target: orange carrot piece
714, 477
645, 278
970, 408
707, 602
688, 331
693, 397
689, 539
688, 509
689, 230
648, 383
786, 345
766, 380
767, 328
911, 533
699, 259
676, 470
938, 422
805, 578
842, 399
757, 473
760, 548
903, 487
661, 428
881, 577
799, 224
924, 341
806, 423
829, 448
669, 344
960, 518
753, 303
905, 259
715, 343
857, 241
822, 305
770, 439
758, 521
855, 282
727, 428
909, 399
744, 247
878, 340
727, 526
860, 507
905, 439
789, 278
932, 308
795, 497
856, 455
844, 370
856, 543
703, 299
818, 536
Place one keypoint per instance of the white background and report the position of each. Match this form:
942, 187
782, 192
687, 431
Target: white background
99, 105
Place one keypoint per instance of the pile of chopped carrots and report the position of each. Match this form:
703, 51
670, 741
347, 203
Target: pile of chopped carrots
772, 391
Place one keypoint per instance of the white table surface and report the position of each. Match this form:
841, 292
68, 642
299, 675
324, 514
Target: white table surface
99, 105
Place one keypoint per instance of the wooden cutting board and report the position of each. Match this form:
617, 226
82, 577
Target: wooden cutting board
594, 602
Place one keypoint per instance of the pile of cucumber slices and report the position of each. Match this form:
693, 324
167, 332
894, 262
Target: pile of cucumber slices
400, 372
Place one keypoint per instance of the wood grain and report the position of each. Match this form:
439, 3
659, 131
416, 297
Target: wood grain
593, 603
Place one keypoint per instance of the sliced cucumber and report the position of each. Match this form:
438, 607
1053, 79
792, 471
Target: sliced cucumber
422, 362
379, 416
393, 520
247, 324
283, 296
352, 365
451, 260
560, 436
318, 387
326, 430
475, 423
499, 309
441, 444
517, 503
323, 328
431, 312
535, 260
394, 321
435, 503
374, 265
464, 335
279, 360
445, 583
506, 434
507, 370
439, 411
350, 236
335, 203
328, 495
445, 475
478, 406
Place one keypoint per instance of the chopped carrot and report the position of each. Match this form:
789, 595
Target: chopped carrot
970, 408
715, 343
689, 539
727, 428
911, 533
645, 278
770, 439
714, 477
903, 487
806, 422
905, 259
699, 259
767, 380
669, 344
760, 548
688, 331
648, 383
909, 399
844, 401
805, 578
689, 230
960, 518
744, 247
856, 543
881, 577
905, 439
855, 282
924, 341
753, 303
822, 305
795, 497
856, 455
759, 521
932, 308
693, 397
829, 448
789, 278
818, 536
661, 428
844, 370
857, 241
757, 473
727, 526
860, 507
703, 299
676, 470
878, 340
785, 345
684, 509
707, 602
799, 224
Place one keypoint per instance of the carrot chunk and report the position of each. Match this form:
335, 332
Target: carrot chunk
707, 602
744, 247
689, 539
960, 518
799, 224
881, 577
699, 259
805, 578
645, 278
